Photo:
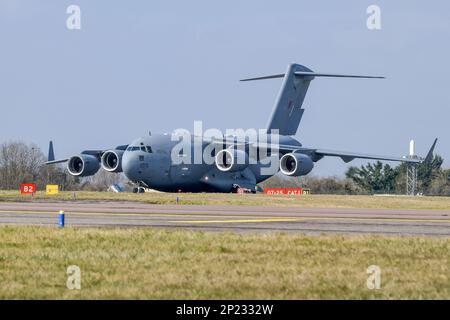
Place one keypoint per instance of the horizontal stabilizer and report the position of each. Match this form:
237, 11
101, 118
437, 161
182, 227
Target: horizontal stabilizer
314, 74
274, 76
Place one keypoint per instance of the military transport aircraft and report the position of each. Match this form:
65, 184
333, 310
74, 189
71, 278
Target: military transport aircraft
148, 162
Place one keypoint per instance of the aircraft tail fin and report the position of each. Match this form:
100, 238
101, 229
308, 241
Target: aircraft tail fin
287, 111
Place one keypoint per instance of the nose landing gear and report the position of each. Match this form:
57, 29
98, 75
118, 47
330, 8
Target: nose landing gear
138, 190
139, 187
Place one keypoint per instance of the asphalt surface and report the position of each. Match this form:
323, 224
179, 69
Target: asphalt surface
230, 218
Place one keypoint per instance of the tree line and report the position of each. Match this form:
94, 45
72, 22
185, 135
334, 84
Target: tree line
24, 163
376, 178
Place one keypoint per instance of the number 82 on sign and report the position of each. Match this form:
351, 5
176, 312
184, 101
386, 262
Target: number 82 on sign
28, 188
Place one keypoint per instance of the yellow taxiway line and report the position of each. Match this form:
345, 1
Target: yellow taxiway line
238, 220
143, 214
251, 218
313, 218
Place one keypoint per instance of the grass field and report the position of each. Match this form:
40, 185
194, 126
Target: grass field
309, 201
155, 263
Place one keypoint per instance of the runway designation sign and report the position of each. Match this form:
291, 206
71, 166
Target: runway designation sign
28, 188
286, 191
51, 189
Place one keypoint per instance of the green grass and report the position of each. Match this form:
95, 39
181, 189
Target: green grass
162, 264
310, 201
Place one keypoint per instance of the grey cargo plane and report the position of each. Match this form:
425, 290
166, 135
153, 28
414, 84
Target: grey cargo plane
148, 161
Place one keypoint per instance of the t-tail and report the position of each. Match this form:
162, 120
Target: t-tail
287, 111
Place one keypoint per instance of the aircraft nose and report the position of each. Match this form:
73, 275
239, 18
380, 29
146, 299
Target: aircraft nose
130, 165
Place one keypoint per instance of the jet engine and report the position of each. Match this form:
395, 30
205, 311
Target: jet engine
112, 160
231, 160
296, 164
83, 165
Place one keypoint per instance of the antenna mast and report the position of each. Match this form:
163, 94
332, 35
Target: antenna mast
411, 172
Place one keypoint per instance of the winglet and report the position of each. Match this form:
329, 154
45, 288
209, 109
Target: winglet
429, 156
51, 153
51, 156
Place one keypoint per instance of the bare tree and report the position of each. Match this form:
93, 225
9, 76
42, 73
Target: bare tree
24, 163
19, 163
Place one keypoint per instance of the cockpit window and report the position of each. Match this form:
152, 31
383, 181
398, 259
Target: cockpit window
141, 148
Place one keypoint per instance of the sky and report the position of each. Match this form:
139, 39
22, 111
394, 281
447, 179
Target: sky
139, 66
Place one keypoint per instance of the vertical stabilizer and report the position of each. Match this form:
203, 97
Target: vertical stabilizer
287, 111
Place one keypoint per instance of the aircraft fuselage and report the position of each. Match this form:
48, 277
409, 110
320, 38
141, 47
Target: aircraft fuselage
154, 168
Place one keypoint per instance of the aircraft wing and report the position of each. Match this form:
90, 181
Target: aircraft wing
97, 153
56, 161
349, 156
52, 160
318, 154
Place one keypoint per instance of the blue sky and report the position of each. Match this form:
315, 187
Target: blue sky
159, 65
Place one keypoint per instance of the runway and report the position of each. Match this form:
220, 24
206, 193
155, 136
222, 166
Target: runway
229, 218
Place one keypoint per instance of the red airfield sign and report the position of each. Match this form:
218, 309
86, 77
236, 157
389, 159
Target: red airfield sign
288, 191
28, 188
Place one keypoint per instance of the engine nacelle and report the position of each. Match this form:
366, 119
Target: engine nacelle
296, 164
112, 160
83, 165
231, 160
